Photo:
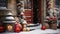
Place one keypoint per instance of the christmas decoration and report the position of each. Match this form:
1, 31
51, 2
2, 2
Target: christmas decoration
52, 19
9, 27
18, 27
20, 6
24, 29
47, 25
9, 22
24, 25
43, 27
2, 28
53, 25
28, 29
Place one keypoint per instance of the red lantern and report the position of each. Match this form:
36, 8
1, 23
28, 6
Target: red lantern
43, 27
18, 28
1, 29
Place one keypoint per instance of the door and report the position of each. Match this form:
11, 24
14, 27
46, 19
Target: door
33, 11
28, 11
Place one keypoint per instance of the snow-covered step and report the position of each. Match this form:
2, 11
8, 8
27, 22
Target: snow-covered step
34, 26
27, 16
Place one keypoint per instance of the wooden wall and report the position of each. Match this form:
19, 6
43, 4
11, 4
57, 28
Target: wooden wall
42, 10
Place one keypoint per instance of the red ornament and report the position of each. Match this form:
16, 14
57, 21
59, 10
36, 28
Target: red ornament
43, 27
1, 29
18, 28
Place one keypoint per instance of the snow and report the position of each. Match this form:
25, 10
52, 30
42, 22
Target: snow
35, 27
38, 31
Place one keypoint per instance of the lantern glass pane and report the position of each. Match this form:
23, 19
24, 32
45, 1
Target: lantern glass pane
9, 27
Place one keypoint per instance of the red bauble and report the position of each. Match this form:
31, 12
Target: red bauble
43, 27
1, 29
18, 28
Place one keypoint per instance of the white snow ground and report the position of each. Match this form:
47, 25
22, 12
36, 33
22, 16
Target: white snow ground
38, 31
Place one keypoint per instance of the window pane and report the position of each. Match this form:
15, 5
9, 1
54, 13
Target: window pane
3, 3
57, 5
27, 4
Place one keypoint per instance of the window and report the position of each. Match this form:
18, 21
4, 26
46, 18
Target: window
57, 5
3, 3
27, 4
